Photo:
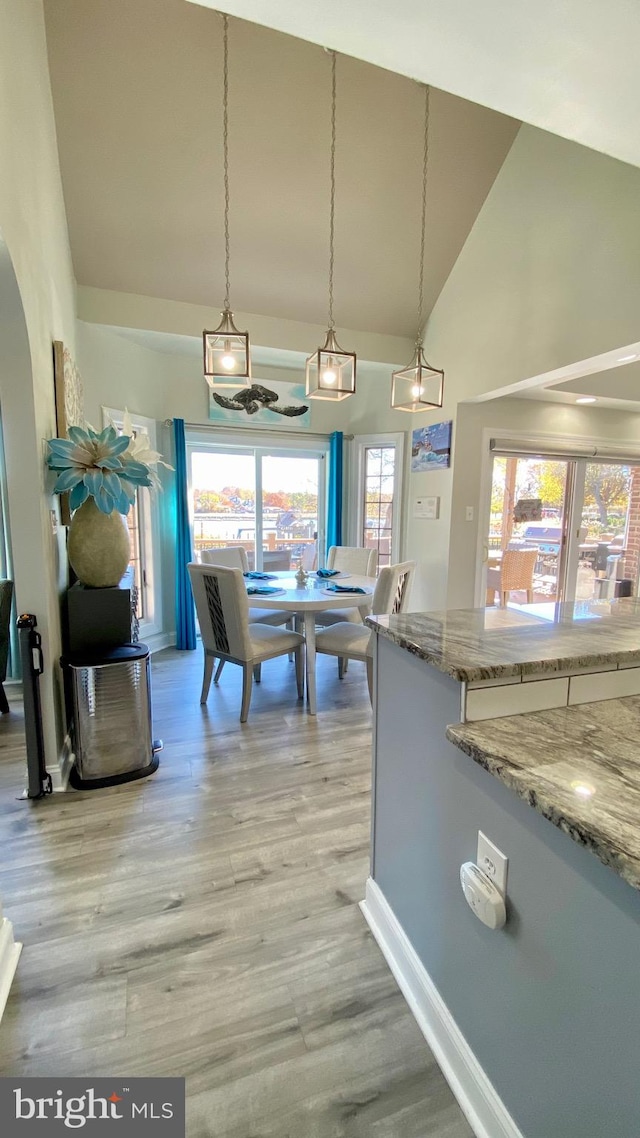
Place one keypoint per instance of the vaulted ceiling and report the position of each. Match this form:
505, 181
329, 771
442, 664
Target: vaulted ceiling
137, 97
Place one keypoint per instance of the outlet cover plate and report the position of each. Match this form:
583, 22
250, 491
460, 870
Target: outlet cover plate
492, 862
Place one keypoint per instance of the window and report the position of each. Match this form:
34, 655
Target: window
379, 495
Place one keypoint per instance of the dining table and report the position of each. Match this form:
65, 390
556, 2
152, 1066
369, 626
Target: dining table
304, 602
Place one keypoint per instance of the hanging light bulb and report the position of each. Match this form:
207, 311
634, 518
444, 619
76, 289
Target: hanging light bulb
227, 357
419, 386
331, 372
227, 360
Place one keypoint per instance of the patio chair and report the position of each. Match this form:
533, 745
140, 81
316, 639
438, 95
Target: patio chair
515, 572
228, 636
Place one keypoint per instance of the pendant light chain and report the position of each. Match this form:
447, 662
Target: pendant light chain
332, 211
425, 166
225, 149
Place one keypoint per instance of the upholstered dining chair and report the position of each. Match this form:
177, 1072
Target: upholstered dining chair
6, 597
350, 641
514, 572
222, 606
235, 556
349, 559
353, 559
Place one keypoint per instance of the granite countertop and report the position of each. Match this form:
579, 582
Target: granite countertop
577, 766
482, 644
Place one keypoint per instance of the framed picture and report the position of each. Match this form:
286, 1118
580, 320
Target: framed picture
431, 447
69, 395
269, 404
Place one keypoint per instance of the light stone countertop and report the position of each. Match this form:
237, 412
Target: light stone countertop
481, 644
577, 766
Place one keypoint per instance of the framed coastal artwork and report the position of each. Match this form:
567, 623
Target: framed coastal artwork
264, 404
431, 447
69, 396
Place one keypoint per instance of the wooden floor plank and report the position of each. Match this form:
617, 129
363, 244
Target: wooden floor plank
204, 922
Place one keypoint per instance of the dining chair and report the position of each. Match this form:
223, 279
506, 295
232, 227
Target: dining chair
6, 597
350, 641
349, 559
222, 606
514, 572
235, 557
353, 559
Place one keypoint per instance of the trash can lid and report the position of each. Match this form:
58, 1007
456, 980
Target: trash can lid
123, 654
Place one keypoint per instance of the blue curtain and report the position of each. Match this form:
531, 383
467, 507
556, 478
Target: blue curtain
334, 511
185, 618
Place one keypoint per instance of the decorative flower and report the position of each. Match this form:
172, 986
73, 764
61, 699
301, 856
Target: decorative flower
140, 450
99, 466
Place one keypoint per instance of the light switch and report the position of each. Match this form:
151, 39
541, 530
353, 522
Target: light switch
468, 513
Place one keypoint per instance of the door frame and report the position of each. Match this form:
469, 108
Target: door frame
573, 497
361, 443
204, 439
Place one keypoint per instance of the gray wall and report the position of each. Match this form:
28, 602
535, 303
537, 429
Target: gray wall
551, 1004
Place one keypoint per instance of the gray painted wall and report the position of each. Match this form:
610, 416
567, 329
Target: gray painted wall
551, 1004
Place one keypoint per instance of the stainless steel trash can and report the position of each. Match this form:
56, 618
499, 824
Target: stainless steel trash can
110, 700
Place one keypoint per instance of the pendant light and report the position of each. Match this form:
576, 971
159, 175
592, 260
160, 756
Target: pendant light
227, 358
331, 372
419, 386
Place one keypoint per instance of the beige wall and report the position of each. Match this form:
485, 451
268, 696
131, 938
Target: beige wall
34, 235
550, 274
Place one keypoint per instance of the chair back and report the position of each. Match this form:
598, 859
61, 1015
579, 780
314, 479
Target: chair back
223, 609
309, 557
6, 598
234, 556
516, 569
353, 559
393, 588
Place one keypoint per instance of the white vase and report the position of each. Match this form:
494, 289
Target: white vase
98, 547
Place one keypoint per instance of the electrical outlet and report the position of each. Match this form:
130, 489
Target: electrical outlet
492, 862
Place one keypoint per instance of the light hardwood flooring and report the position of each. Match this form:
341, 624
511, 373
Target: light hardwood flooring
204, 922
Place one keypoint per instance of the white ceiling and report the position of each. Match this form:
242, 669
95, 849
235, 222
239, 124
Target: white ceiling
567, 66
137, 98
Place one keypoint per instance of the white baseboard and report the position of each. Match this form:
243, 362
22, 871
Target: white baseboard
159, 641
484, 1110
9, 955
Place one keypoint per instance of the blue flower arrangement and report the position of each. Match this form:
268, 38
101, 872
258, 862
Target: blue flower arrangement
100, 466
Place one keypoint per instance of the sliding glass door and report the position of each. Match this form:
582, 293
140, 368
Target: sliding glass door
269, 501
561, 529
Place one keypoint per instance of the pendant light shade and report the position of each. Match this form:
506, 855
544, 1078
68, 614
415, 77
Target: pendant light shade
330, 371
227, 359
227, 354
419, 386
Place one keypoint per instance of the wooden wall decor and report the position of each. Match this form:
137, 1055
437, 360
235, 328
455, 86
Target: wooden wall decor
69, 394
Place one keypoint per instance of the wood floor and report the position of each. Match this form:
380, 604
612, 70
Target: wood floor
204, 922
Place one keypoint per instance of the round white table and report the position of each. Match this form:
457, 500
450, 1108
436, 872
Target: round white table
305, 603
